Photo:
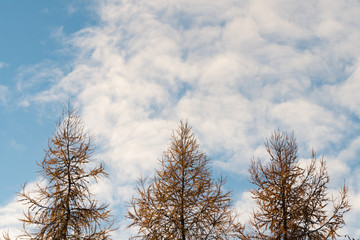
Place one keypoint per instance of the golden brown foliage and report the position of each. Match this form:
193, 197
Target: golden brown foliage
63, 207
292, 201
183, 201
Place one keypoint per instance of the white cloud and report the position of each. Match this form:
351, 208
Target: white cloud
316, 125
45, 11
346, 93
4, 92
15, 145
352, 152
10, 215
32, 80
245, 207
58, 33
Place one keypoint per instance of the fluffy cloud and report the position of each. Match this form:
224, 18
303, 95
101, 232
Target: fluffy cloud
236, 70
312, 123
346, 92
10, 214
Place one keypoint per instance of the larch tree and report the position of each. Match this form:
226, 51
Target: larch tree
62, 206
292, 201
183, 201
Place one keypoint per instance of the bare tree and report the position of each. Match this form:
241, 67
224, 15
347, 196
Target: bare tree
292, 201
62, 206
183, 201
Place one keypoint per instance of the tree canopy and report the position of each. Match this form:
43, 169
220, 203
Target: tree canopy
183, 201
62, 206
292, 202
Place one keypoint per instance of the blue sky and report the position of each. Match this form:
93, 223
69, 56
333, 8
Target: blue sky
29, 38
236, 70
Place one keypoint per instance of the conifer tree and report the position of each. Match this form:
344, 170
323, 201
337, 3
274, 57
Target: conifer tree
292, 201
62, 206
183, 201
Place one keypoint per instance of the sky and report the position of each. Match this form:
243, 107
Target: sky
235, 69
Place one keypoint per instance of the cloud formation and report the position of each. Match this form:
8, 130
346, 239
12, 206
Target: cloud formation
4, 92
236, 70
